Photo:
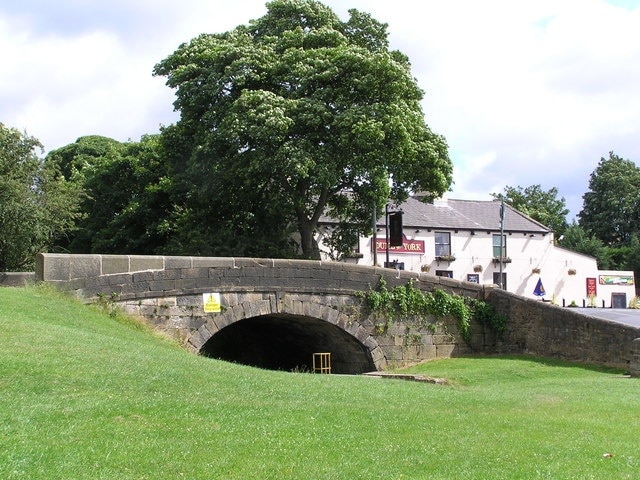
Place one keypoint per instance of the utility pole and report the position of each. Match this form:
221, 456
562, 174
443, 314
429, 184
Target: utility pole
501, 284
386, 233
375, 235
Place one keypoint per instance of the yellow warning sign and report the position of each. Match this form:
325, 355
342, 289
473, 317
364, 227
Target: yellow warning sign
211, 302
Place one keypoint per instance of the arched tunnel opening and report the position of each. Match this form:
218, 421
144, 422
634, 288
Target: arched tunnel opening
288, 342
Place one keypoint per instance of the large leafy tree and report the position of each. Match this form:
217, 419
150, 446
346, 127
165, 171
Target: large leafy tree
611, 207
575, 238
37, 205
541, 205
296, 115
125, 203
632, 260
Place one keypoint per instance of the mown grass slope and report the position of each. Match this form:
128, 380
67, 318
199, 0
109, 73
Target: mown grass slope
84, 395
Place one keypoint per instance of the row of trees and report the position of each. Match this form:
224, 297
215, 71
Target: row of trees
35, 208
295, 115
607, 227
101, 195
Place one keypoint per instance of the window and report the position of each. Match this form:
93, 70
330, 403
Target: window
444, 273
496, 280
394, 264
443, 244
496, 246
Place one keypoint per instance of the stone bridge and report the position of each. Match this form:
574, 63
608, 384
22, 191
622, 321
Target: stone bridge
274, 313
277, 313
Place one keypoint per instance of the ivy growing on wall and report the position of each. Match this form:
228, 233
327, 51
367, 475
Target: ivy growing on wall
408, 302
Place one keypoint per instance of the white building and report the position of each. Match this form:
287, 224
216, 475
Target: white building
461, 239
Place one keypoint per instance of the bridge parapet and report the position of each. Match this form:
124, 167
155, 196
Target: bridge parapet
167, 290
137, 276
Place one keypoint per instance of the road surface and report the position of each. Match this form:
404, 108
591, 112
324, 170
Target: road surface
626, 316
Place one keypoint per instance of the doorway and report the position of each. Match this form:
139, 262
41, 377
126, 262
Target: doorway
618, 300
496, 280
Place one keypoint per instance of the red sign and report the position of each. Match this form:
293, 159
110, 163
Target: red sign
408, 246
592, 289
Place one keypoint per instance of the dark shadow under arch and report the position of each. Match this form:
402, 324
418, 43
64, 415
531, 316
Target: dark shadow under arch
288, 342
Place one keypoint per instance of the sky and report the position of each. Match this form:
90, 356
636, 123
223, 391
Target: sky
526, 92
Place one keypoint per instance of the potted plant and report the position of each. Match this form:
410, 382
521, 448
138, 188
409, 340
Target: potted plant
504, 259
572, 271
425, 268
477, 268
445, 258
535, 270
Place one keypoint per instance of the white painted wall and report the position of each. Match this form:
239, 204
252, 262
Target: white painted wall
527, 252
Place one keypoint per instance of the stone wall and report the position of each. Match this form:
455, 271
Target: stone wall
634, 367
16, 279
139, 276
546, 330
168, 292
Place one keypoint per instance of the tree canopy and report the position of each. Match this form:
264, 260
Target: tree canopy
611, 207
542, 206
296, 115
125, 200
575, 238
37, 205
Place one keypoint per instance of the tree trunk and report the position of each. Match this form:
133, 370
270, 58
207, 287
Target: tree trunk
310, 249
306, 225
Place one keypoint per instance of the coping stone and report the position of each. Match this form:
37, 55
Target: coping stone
84, 266
213, 262
115, 264
172, 262
16, 279
53, 267
139, 263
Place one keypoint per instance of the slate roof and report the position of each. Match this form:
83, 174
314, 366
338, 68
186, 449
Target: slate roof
475, 215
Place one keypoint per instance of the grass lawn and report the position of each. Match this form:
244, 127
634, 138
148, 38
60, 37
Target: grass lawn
84, 395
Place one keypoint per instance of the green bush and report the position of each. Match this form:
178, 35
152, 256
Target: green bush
407, 302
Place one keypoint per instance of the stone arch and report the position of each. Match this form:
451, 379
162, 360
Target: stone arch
315, 325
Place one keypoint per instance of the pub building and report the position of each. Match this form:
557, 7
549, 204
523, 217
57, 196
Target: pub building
488, 242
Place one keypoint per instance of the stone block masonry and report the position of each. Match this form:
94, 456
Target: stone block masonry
16, 279
167, 291
134, 276
546, 330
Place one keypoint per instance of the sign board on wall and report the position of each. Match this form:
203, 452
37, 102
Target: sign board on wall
211, 302
592, 288
408, 246
616, 280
